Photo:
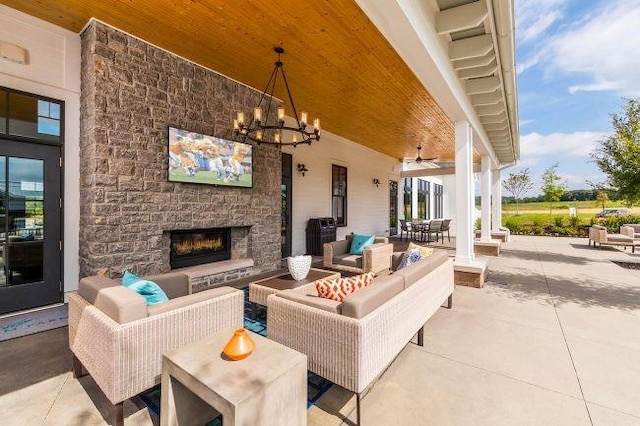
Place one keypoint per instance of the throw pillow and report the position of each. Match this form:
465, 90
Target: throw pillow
426, 251
359, 242
339, 289
148, 289
410, 257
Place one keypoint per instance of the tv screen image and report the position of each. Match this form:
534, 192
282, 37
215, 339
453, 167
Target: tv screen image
198, 158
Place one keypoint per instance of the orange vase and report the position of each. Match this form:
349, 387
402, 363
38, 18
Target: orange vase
239, 346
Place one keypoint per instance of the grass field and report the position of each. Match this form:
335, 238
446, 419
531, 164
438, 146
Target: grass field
562, 207
208, 177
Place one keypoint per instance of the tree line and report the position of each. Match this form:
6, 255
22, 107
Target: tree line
618, 156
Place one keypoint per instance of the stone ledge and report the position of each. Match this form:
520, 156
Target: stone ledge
503, 236
470, 274
211, 275
487, 248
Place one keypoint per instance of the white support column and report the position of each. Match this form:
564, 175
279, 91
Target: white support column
485, 198
496, 203
464, 193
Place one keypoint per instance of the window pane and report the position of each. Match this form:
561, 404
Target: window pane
32, 117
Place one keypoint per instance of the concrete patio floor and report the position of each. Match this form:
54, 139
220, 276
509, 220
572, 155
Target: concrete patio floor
553, 338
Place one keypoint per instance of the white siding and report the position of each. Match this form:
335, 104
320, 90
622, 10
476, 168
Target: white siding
53, 71
367, 205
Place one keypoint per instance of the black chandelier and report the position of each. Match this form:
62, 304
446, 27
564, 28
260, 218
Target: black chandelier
259, 130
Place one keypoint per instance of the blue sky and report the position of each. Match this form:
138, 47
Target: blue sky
576, 61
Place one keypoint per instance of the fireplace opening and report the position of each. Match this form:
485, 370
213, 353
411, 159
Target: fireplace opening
197, 246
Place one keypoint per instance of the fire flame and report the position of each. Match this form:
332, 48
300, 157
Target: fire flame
189, 246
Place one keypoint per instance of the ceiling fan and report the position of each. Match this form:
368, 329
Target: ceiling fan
419, 158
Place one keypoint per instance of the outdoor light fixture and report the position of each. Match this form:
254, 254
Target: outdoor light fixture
376, 182
302, 169
263, 127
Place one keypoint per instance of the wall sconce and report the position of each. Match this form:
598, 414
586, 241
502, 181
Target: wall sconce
376, 182
302, 169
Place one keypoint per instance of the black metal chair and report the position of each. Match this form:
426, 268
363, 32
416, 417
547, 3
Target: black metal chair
405, 227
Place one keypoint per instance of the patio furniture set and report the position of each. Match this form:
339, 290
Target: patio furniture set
422, 230
128, 347
629, 236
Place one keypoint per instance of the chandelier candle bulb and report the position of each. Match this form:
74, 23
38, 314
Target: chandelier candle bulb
281, 113
303, 118
316, 124
259, 135
294, 138
257, 114
241, 118
276, 137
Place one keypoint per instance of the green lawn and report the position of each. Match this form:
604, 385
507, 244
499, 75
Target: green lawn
208, 177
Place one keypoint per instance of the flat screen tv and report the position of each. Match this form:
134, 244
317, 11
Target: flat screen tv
198, 158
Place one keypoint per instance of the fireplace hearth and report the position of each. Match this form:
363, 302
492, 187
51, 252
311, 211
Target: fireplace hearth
192, 247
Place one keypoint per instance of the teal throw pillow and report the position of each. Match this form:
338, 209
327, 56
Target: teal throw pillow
148, 289
359, 242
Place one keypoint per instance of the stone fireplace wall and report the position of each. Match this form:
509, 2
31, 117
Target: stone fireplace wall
131, 91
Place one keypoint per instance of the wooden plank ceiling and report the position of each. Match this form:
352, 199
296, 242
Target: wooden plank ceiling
340, 68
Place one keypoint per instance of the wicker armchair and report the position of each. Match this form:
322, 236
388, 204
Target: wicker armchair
375, 258
598, 235
119, 341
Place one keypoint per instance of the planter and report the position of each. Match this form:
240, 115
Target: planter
299, 266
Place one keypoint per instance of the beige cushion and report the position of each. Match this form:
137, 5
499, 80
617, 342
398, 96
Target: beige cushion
88, 287
368, 299
340, 247
174, 284
616, 238
353, 260
312, 300
121, 304
414, 272
190, 299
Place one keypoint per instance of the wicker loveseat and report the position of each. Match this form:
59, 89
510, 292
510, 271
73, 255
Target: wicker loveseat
352, 342
375, 258
631, 230
599, 235
119, 340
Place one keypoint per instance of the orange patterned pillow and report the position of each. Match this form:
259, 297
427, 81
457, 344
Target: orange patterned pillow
342, 287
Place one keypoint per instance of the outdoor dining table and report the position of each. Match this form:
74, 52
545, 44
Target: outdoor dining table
421, 227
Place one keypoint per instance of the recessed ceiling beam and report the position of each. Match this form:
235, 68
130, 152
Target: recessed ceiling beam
495, 127
474, 62
486, 98
493, 119
478, 72
490, 109
461, 18
471, 47
482, 85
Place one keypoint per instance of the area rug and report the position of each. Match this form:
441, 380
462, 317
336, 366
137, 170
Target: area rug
31, 322
316, 385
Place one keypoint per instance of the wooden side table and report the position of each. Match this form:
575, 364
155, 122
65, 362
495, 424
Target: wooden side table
267, 388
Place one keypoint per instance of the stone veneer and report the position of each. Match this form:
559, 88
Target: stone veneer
131, 92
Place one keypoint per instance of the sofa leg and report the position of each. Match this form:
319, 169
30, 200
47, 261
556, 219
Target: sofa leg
118, 415
78, 369
450, 301
357, 409
421, 336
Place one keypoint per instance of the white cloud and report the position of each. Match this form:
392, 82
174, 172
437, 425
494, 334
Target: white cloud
535, 147
524, 122
534, 20
603, 47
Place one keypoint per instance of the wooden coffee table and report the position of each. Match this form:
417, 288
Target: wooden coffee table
261, 289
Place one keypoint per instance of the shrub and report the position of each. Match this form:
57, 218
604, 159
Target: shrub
514, 224
558, 221
574, 221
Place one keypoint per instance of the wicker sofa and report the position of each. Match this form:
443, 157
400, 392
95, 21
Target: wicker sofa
375, 258
599, 235
119, 340
631, 230
351, 343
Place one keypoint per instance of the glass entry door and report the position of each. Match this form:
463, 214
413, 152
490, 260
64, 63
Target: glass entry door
30, 234
393, 207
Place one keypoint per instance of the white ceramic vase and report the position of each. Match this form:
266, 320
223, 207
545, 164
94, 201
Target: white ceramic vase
299, 266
